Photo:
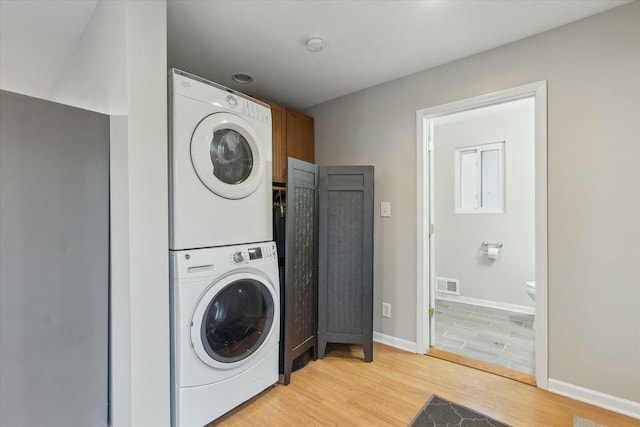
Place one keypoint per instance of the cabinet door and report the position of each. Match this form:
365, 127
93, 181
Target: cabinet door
279, 142
300, 136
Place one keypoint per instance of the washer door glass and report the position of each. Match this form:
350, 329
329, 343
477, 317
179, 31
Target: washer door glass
237, 320
226, 155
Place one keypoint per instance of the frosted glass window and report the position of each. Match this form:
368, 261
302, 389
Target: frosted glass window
479, 179
490, 179
468, 180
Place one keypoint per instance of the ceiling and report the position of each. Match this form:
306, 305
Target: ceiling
37, 38
367, 42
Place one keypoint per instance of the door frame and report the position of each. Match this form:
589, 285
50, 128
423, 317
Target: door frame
424, 248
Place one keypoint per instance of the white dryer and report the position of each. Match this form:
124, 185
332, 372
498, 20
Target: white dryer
220, 165
225, 329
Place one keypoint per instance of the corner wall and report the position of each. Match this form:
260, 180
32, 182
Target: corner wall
93, 77
120, 68
139, 228
592, 68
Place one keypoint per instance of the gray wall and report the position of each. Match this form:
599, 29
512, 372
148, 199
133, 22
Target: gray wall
592, 67
458, 252
54, 263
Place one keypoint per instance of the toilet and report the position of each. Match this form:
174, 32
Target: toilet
531, 289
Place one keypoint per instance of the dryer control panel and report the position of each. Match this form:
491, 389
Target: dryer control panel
185, 84
249, 108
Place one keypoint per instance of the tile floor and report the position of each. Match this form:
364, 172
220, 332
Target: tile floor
501, 337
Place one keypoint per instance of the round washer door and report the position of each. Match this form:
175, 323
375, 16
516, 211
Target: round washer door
226, 155
233, 319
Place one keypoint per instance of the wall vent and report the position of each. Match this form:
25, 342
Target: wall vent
448, 286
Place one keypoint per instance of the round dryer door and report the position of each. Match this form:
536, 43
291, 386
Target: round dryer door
233, 320
226, 155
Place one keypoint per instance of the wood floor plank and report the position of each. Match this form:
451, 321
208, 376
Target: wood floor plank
343, 390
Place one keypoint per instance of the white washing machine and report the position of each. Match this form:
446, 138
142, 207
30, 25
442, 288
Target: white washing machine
225, 329
220, 165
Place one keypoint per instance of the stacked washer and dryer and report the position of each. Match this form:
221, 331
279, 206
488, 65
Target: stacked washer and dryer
224, 267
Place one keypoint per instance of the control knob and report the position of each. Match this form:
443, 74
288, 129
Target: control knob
233, 102
238, 257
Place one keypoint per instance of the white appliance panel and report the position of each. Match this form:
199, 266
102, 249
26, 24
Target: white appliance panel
205, 211
203, 391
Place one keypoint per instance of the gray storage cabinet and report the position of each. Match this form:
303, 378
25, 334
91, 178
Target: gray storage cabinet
345, 263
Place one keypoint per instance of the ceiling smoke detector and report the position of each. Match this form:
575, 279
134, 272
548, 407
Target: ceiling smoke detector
243, 79
315, 44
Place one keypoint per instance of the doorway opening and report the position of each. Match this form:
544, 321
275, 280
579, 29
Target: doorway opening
482, 225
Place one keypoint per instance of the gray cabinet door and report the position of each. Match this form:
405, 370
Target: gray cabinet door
345, 263
54, 264
299, 296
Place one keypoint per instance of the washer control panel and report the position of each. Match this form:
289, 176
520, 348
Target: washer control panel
251, 254
238, 257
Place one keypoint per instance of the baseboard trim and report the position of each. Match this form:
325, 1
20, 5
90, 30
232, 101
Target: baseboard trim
597, 398
398, 343
485, 303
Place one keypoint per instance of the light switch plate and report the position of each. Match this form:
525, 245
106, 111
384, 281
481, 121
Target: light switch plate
385, 209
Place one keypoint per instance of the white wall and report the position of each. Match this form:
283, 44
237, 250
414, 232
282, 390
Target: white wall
86, 72
31, 60
592, 68
93, 76
458, 250
140, 247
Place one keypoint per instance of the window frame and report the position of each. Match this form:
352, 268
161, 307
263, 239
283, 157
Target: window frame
501, 147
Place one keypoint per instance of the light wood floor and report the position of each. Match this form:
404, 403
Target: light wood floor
343, 390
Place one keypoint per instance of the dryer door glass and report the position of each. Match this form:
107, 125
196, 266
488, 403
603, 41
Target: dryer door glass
231, 156
228, 156
237, 320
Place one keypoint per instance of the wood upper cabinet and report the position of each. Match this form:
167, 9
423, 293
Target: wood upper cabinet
292, 137
300, 136
279, 143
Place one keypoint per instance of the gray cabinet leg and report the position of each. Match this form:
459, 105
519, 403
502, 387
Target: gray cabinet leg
368, 352
322, 347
